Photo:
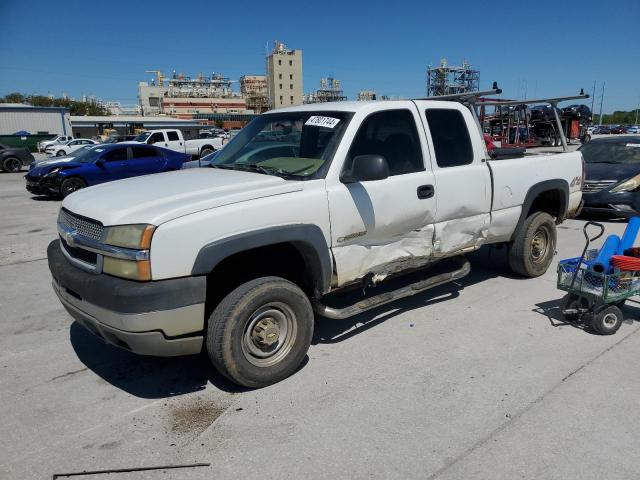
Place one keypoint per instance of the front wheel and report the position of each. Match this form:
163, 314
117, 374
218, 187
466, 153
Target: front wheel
532, 250
607, 320
259, 333
70, 185
61, 153
11, 165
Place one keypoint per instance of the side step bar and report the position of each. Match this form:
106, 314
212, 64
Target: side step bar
383, 298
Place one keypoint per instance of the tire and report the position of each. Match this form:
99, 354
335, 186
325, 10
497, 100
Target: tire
206, 151
11, 165
571, 301
607, 320
70, 185
61, 153
243, 322
532, 250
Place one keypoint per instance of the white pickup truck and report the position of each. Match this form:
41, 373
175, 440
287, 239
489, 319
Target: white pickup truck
174, 140
303, 202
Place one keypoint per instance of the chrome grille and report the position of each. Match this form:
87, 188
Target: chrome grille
591, 186
84, 226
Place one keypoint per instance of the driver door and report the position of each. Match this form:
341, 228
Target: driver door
383, 226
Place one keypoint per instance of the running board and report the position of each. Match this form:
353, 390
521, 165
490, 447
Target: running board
403, 292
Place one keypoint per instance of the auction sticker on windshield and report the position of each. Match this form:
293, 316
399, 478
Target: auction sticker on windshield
319, 121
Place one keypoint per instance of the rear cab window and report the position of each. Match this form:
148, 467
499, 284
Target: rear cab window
450, 137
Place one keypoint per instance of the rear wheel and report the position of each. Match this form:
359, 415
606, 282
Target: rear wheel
61, 153
531, 252
570, 306
12, 165
259, 333
206, 151
70, 185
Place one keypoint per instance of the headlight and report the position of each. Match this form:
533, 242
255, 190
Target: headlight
130, 236
54, 171
131, 269
630, 185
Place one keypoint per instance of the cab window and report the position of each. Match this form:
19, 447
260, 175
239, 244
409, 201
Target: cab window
116, 155
392, 134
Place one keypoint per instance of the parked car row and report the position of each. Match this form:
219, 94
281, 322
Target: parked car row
614, 129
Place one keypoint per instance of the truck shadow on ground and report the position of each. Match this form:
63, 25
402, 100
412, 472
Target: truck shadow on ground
486, 263
144, 376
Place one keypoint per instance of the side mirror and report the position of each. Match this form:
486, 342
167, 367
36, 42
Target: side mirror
100, 162
366, 168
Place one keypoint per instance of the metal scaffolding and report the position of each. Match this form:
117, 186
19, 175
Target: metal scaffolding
452, 80
330, 91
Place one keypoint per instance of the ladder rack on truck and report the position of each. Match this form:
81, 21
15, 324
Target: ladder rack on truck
476, 101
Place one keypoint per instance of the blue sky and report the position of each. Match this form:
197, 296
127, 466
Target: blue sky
537, 48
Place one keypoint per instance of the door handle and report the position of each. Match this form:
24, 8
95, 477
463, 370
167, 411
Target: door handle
425, 191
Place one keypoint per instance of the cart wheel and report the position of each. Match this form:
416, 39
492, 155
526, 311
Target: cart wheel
607, 320
572, 301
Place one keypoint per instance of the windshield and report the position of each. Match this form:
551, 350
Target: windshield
87, 154
295, 145
611, 152
142, 137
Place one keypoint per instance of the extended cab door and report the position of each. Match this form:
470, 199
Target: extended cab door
461, 174
175, 141
383, 226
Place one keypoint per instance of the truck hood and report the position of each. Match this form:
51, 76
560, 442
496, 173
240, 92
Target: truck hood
158, 198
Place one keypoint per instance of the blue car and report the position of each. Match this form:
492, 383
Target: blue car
100, 164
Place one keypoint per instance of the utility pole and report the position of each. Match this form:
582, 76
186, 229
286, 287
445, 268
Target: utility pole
601, 101
637, 110
593, 99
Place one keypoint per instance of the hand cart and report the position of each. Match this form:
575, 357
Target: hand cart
595, 298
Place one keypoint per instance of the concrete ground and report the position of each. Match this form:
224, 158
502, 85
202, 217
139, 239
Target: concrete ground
480, 379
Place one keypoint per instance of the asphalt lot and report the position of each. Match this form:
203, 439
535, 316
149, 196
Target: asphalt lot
479, 379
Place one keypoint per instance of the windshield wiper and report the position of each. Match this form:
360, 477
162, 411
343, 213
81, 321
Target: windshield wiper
254, 167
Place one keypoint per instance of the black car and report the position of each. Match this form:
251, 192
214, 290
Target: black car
612, 180
579, 111
12, 159
601, 131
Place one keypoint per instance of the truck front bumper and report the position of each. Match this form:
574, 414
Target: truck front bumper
163, 318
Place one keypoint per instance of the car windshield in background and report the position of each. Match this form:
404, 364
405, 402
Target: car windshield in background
142, 137
294, 145
611, 152
89, 155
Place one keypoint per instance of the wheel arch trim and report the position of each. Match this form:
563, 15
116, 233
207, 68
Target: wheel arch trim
557, 185
307, 239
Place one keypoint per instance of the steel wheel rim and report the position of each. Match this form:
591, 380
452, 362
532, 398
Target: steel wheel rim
60, 154
610, 320
13, 164
540, 245
71, 186
269, 334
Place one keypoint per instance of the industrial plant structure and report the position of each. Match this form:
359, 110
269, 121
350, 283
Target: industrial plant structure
330, 91
284, 76
448, 80
255, 91
367, 95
